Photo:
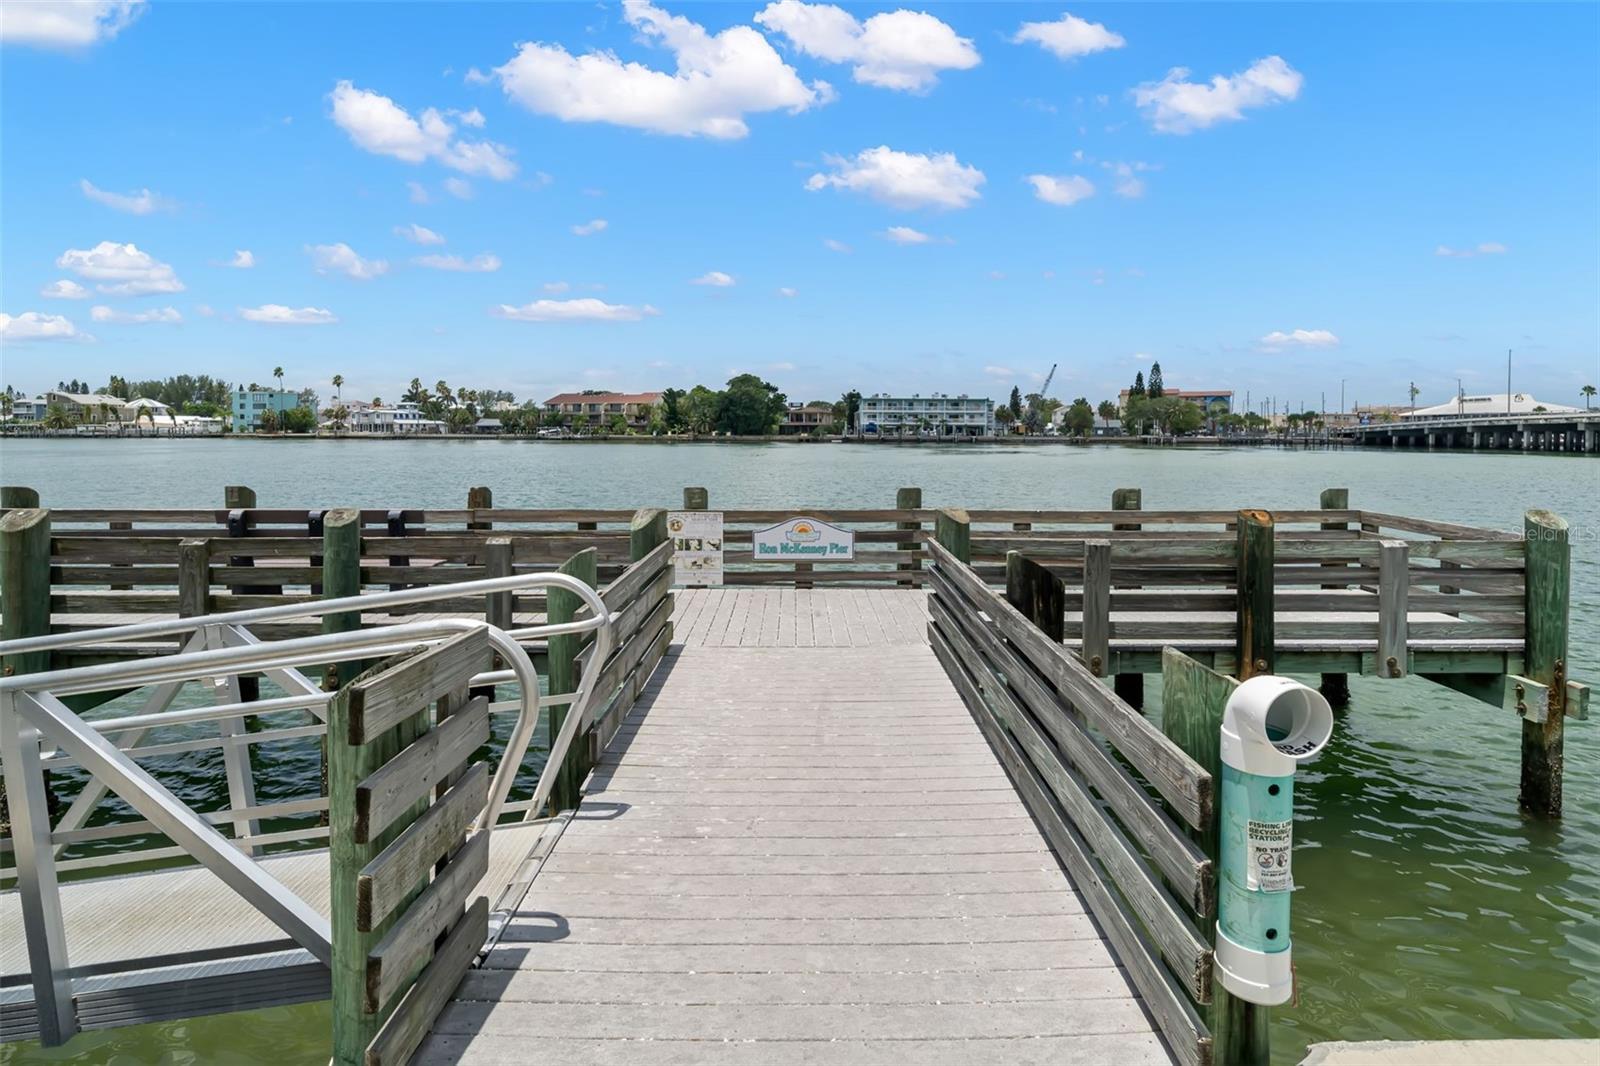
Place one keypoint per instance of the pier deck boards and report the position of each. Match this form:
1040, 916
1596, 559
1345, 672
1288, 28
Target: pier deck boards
799, 849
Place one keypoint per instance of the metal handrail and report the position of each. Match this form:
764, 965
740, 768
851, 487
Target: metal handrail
371, 601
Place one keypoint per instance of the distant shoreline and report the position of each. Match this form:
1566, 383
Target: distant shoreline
1124, 442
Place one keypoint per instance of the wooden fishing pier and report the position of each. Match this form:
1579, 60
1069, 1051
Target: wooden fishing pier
906, 808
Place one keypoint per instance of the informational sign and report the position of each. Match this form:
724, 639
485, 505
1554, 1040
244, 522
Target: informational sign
1269, 856
803, 540
696, 546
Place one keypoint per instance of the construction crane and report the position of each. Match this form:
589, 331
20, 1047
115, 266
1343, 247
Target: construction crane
1034, 418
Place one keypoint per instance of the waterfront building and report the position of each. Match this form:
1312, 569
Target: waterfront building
86, 408
404, 417
805, 418
1491, 405
601, 407
28, 410
143, 407
935, 415
250, 404
1203, 398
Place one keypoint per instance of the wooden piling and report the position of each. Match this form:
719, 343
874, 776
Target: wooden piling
1336, 687
25, 583
480, 498
1547, 608
1038, 594
194, 578
563, 606
953, 530
242, 498
1128, 686
341, 576
648, 529
497, 562
1255, 647
15, 497
1096, 613
908, 499
696, 499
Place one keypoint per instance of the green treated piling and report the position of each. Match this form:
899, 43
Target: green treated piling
908, 499
562, 606
1130, 687
480, 498
1336, 687
18, 496
1548, 588
648, 529
1038, 594
341, 576
952, 528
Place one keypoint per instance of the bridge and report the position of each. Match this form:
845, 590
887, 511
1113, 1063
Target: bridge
905, 808
1576, 432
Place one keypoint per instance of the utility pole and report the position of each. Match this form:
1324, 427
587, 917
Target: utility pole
1508, 381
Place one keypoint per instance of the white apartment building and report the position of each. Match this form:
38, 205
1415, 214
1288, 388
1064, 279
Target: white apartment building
934, 415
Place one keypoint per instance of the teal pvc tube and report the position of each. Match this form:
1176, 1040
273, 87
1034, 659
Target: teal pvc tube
1257, 836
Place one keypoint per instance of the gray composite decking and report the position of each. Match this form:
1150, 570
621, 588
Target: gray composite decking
799, 849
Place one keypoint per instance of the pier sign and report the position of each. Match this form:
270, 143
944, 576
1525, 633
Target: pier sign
803, 539
696, 547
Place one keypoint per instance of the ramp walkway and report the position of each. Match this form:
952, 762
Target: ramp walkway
796, 854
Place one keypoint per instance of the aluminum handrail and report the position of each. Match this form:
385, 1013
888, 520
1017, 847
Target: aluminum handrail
369, 601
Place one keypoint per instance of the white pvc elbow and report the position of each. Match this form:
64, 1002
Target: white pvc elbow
1271, 723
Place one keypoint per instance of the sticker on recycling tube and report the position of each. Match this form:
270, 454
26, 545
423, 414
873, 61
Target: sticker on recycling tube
1269, 856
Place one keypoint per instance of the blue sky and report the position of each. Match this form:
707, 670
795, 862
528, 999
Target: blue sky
1268, 197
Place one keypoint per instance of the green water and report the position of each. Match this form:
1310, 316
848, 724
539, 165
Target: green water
1428, 907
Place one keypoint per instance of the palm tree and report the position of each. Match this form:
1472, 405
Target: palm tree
1107, 411
1588, 394
56, 417
338, 383
277, 372
442, 390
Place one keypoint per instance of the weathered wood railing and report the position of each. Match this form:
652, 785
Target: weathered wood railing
1068, 742
405, 789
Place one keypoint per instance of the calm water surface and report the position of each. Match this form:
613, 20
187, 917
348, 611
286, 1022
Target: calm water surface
1428, 907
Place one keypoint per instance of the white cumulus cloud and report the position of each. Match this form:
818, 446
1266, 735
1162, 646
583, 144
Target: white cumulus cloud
120, 269
906, 235
591, 227
55, 24
716, 279
835, 246
1486, 248
1177, 105
788, 292
717, 81
585, 309
243, 259
903, 50
484, 263
556, 286
1300, 338
377, 124
1063, 191
1068, 36
460, 188
167, 315
1126, 180
142, 202
342, 259
418, 234
37, 326
279, 315
417, 194
64, 289
903, 179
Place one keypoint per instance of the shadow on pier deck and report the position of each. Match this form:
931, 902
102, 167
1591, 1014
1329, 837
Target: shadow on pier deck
800, 848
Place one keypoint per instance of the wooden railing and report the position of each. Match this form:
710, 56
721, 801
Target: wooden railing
1115, 797
405, 789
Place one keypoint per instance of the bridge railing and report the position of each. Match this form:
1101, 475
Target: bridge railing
1115, 797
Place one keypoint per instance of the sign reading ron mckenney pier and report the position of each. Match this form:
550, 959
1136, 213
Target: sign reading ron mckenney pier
802, 539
